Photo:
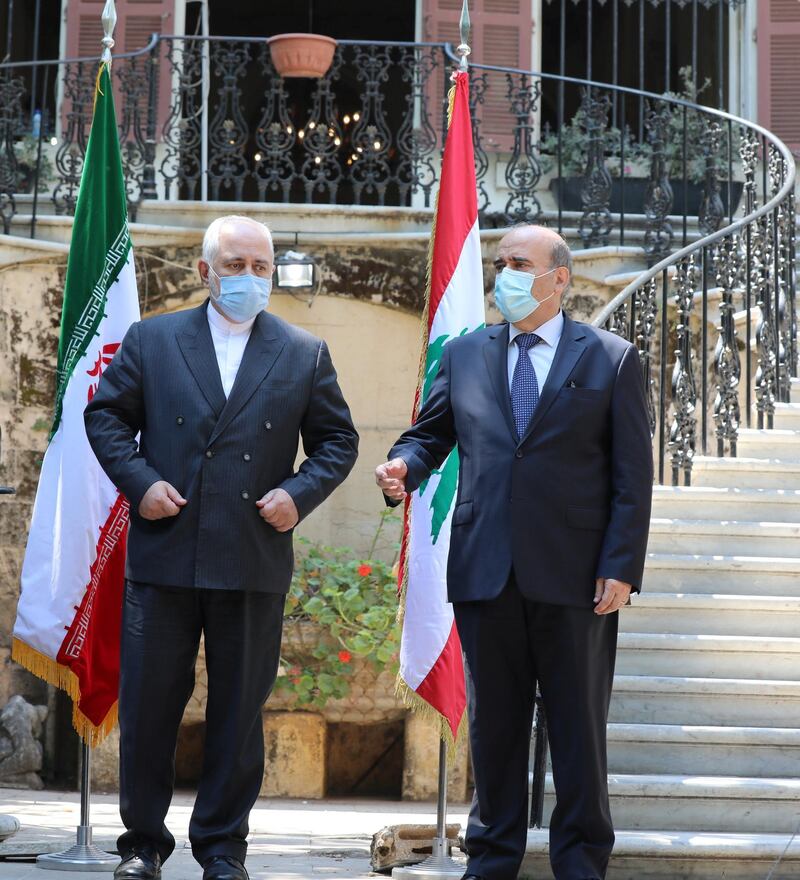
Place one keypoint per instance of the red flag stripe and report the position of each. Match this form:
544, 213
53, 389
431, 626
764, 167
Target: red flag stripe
457, 206
443, 687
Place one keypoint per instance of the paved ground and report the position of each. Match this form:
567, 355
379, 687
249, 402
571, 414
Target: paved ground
289, 839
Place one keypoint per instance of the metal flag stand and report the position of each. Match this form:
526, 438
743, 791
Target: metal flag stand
439, 865
84, 855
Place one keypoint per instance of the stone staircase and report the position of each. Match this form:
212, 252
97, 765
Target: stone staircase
704, 729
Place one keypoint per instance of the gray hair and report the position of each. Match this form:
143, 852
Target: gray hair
211, 238
561, 255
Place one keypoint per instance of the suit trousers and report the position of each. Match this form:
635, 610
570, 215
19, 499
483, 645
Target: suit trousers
161, 630
509, 643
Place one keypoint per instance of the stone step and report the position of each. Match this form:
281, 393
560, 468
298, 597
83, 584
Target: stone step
733, 574
652, 699
682, 855
708, 502
775, 443
787, 416
699, 803
712, 614
709, 656
772, 752
745, 473
729, 537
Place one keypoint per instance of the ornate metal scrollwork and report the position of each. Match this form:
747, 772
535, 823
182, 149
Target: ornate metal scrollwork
727, 365
782, 235
524, 169
371, 139
180, 168
766, 381
11, 90
275, 136
321, 171
646, 304
78, 97
228, 132
618, 322
683, 431
416, 137
478, 83
595, 224
658, 233
131, 75
711, 208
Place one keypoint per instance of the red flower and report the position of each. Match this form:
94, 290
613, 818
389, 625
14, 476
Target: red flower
345, 656
365, 570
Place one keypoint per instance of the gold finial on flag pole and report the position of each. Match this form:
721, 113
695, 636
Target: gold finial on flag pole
109, 19
464, 25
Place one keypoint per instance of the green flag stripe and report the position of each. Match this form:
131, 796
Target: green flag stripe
100, 240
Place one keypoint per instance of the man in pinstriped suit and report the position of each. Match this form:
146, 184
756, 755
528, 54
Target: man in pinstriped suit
220, 396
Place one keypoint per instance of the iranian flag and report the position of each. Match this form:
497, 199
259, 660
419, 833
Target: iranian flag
431, 670
68, 618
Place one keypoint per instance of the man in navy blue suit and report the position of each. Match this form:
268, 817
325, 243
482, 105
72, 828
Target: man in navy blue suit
548, 540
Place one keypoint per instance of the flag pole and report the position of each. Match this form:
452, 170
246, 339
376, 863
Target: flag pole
439, 865
84, 855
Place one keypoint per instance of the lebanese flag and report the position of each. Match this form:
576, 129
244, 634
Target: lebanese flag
431, 673
68, 618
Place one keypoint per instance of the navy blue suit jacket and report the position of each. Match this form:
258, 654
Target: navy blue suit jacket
565, 504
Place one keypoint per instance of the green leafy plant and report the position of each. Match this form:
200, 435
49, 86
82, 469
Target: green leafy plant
574, 148
26, 152
340, 609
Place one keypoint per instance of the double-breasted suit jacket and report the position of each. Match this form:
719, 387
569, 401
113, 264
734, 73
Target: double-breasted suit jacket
221, 454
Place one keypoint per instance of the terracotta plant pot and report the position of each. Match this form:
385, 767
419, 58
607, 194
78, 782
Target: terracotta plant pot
302, 54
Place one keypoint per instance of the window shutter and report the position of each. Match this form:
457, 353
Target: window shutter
501, 35
778, 69
136, 21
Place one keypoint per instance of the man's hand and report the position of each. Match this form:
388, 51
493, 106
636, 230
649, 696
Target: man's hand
391, 477
610, 595
278, 509
160, 501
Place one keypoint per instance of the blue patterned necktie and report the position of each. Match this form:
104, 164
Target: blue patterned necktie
524, 384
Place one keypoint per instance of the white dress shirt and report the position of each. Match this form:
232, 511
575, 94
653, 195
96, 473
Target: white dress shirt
229, 343
542, 353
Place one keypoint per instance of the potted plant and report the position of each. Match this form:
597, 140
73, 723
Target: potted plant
301, 54
340, 617
567, 189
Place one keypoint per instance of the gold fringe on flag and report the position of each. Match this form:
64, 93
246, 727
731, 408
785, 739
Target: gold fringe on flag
65, 679
409, 697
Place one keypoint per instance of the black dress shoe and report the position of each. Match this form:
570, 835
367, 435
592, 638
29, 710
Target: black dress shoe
141, 864
471, 877
224, 868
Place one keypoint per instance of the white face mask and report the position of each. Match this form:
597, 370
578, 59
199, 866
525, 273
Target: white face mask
513, 294
240, 297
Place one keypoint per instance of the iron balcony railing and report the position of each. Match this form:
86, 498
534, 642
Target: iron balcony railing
209, 118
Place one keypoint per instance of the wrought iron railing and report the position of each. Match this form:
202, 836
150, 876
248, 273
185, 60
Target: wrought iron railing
742, 280
209, 118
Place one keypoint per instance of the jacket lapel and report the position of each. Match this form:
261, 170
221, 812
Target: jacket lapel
569, 352
197, 347
495, 352
262, 350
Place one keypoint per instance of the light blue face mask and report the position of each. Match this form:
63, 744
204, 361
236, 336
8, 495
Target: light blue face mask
241, 297
513, 294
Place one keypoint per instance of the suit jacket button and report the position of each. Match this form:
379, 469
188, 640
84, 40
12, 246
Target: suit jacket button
245, 495
179, 420
268, 425
209, 453
518, 454
246, 456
